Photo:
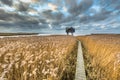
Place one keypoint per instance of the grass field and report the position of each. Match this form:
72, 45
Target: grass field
54, 57
38, 58
102, 56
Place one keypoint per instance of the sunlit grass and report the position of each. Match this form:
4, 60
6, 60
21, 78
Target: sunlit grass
102, 56
38, 58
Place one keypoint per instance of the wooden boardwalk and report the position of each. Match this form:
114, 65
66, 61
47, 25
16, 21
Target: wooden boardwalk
80, 69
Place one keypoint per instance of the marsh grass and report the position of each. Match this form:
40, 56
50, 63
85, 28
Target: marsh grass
38, 58
102, 56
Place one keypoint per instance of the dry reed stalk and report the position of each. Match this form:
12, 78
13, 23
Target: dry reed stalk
102, 56
38, 58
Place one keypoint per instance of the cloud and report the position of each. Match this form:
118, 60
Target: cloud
7, 2
22, 6
52, 6
52, 16
10, 16
4, 15
26, 1
100, 16
39, 14
112, 5
80, 8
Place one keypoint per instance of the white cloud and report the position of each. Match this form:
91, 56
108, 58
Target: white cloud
97, 8
50, 26
52, 6
33, 13
64, 9
27, 1
83, 14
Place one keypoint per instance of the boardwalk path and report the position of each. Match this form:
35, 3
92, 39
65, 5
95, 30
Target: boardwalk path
80, 69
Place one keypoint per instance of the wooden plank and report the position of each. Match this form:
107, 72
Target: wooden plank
80, 69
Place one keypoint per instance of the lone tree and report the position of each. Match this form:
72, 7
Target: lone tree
70, 30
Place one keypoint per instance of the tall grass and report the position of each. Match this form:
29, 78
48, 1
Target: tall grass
38, 58
102, 56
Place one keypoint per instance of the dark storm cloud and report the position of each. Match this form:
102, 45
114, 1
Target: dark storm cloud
86, 19
111, 4
82, 7
4, 15
18, 19
102, 15
24, 24
38, 14
11, 16
7, 2
2, 11
51, 15
18, 22
43, 21
22, 6
75, 9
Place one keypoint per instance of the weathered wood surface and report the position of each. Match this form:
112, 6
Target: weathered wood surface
80, 69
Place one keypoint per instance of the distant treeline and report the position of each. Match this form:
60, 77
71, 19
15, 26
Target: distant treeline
13, 34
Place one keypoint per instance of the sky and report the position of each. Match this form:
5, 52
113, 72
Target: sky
53, 16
